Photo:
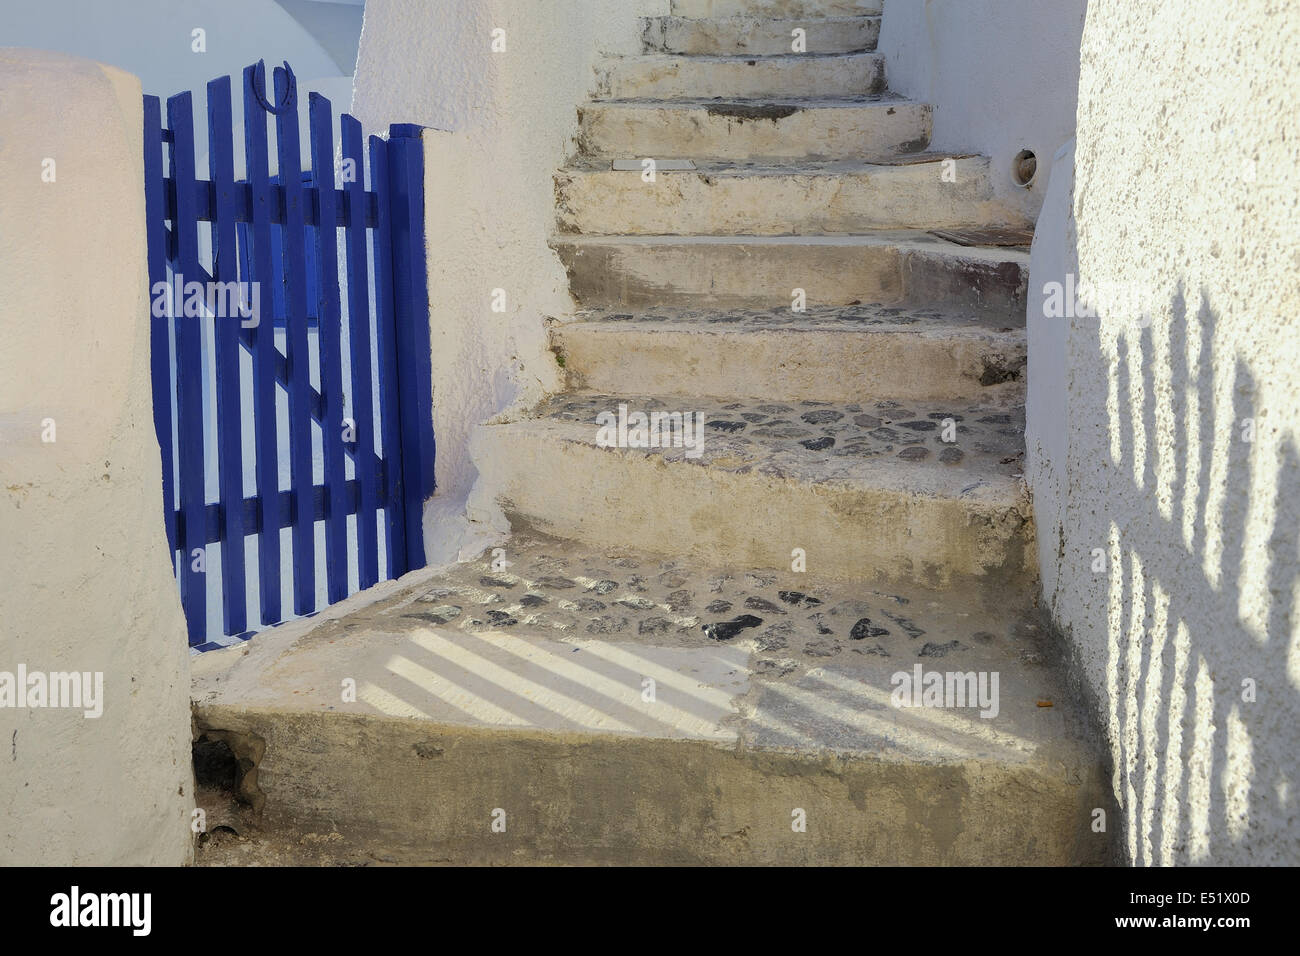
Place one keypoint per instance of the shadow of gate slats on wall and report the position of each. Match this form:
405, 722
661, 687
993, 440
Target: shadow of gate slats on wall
372, 405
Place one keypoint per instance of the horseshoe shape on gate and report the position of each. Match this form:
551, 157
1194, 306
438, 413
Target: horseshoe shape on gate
258, 80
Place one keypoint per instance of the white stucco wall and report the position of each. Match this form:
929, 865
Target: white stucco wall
87, 584
1002, 75
509, 121
1168, 531
153, 39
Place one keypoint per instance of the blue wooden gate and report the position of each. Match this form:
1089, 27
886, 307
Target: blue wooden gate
279, 403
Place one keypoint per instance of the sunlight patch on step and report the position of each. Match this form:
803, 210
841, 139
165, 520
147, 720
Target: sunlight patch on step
654, 718
961, 723
452, 693
567, 708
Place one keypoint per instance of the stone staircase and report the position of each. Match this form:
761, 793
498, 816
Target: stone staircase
856, 511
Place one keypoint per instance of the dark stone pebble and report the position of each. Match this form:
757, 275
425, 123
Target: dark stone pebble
798, 598
909, 628
726, 426
821, 648
636, 604
679, 601
864, 628
555, 583
726, 630
938, 650
822, 417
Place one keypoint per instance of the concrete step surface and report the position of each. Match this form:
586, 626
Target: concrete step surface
664, 77
758, 36
863, 128
872, 489
776, 8
887, 267
804, 199
826, 353
607, 706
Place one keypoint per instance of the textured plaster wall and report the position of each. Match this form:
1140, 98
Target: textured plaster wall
1002, 75
87, 584
504, 122
1163, 443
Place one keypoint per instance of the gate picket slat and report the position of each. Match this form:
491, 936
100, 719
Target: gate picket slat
385, 326
189, 370
230, 445
265, 355
365, 461
160, 362
330, 344
292, 237
410, 313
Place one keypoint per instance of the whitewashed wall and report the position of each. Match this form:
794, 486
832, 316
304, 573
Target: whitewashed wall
1002, 75
87, 582
1164, 432
508, 121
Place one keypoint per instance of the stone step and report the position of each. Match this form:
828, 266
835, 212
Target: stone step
719, 199
865, 129
830, 354
776, 8
758, 36
612, 707
762, 272
673, 77
870, 491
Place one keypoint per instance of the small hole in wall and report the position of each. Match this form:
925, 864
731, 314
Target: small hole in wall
215, 766
1024, 167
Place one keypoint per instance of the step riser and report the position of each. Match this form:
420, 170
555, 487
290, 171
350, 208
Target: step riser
776, 8
670, 78
763, 275
608, 497
794, 365
608, 202
614, 800
867, 133
753, 36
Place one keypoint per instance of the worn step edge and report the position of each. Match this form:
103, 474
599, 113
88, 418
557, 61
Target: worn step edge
837, 364
662, 76
844, 198
774, 129
910, 525
762, 271
758, 36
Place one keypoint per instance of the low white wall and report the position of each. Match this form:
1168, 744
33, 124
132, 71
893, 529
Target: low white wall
1164, 433
507, 121
87, 582
1002, 75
